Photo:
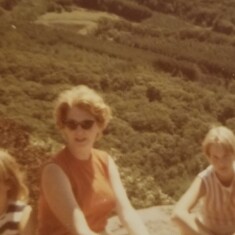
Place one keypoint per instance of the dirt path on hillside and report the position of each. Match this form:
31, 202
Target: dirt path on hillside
157, 220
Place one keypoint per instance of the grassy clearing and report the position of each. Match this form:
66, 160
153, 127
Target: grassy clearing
84, 20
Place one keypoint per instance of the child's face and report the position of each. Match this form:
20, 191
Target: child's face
222, 160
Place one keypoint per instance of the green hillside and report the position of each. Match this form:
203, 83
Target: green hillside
165, 67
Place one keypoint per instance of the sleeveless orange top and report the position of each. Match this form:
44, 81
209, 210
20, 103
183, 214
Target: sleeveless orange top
91, 187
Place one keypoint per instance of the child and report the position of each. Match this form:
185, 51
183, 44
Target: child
215, 186
15, 214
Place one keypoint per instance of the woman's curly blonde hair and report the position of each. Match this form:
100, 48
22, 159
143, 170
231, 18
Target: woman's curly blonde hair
85, 98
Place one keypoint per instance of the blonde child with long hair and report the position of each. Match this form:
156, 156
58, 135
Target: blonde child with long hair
215, 186
15, 213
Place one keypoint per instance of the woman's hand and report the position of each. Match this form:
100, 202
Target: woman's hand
127, 214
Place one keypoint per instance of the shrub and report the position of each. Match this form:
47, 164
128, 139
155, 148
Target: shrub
176, 67
230, 123
128, 9
64, 2
53, 7
223, 26
153, 94
8, 4
226, 108
199, 34
2, 11
203, 16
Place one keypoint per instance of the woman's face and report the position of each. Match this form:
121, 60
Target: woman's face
80, 129
222, 160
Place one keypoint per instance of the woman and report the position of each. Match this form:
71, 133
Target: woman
81, 186
215, 186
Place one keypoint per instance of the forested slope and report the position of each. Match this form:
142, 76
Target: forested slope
167, 76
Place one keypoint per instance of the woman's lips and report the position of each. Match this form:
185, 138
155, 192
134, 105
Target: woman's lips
80, 140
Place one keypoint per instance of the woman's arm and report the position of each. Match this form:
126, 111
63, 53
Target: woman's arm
126, 212
182, 215
59, 195
28, 223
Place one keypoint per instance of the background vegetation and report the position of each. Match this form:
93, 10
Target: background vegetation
165, 67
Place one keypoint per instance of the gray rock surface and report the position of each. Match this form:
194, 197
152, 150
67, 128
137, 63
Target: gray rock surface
157, 220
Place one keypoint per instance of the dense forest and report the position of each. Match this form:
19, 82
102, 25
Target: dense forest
166, 67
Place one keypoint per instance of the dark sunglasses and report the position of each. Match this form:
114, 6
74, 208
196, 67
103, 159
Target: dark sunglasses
73, 124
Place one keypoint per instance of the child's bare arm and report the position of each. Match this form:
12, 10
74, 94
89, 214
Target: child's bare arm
183, 216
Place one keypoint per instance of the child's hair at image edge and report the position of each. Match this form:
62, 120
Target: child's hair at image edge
219, 135
11, 174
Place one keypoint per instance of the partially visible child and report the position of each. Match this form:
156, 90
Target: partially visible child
215, 186
15, 214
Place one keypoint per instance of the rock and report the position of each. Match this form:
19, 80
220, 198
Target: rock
157, 220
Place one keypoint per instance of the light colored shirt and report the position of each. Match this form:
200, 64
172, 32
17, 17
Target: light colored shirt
9, 221
218, 205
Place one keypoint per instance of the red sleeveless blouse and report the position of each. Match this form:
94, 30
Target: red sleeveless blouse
91, 187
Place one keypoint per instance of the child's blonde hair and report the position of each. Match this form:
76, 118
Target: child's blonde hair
11, 174
83, 97
219, 135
